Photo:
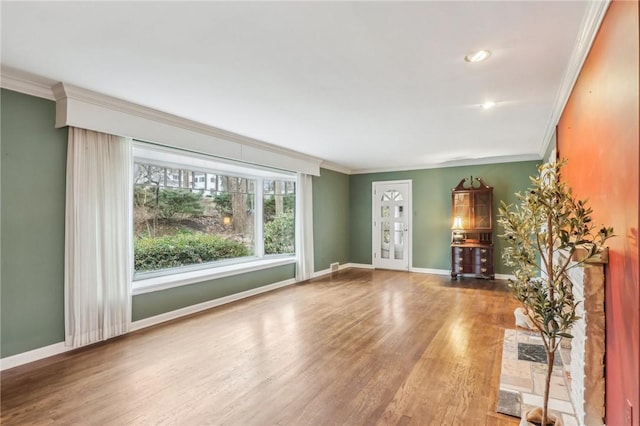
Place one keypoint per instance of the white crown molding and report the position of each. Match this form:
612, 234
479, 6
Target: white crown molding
456, 163
596, 10
65, 90
27, 83
335, 167
87, 109
78, 106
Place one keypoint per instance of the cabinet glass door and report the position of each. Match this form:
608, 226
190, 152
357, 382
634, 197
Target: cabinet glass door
482, 210
462, 208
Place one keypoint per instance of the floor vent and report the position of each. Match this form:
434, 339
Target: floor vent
334, 266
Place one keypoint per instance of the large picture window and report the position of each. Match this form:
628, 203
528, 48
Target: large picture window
194, 212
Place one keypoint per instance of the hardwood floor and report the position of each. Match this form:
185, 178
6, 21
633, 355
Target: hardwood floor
362, 347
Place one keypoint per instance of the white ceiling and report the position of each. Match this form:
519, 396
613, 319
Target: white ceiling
363, 85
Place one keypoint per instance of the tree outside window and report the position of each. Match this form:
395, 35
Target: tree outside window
185, 217
279, 201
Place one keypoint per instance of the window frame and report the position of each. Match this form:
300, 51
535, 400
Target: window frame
152, 154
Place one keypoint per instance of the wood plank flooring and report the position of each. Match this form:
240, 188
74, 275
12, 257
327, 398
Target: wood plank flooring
361, 347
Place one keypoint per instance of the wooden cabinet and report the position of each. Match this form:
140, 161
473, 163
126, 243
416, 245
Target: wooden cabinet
472, 230
473, 206
474, 259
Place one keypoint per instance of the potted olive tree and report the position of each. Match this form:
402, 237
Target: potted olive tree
548, 220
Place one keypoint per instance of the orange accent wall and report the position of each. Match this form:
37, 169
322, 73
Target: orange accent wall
598, 133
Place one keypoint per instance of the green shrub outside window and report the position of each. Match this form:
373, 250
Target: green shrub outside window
185, 217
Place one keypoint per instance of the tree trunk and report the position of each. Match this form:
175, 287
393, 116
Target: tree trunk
545, 402
238, 206
156, 211
278, 197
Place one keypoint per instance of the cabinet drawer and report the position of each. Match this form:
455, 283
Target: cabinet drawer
462, 254
472, 260
465, 268
482, 255
482, 251
483, 270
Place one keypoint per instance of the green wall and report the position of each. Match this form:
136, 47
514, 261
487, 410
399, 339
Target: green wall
331, 233
156, 303
33, 177
330, 219
32, 226
33, 196
432, 208
550, 147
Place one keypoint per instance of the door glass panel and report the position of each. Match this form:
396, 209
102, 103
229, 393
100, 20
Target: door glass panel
398, 212
398, 240
384, 211
385, 240
392, 195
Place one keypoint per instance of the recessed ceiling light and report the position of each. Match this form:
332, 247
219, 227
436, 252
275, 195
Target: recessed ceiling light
478, 56
488, 105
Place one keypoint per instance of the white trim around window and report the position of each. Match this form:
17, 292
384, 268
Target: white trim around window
146, 282
168, 281
87, 109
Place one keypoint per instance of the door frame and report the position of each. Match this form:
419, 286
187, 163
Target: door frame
409, 233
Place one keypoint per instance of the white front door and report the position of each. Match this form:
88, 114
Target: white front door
392, 224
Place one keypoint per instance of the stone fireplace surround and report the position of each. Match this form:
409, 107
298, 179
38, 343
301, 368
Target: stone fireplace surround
585, 372
577, 390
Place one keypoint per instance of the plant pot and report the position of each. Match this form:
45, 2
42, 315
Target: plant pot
533, 417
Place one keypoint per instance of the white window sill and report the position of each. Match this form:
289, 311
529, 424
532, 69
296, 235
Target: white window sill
175, 280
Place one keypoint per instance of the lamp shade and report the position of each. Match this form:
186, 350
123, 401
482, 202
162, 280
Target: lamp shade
457, 223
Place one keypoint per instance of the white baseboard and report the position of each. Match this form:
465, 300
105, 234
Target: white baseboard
448, 272
360, 265
59, 348
188, 310
431, 271
505, 277
34, 355
412, 269
327, 271
322, 273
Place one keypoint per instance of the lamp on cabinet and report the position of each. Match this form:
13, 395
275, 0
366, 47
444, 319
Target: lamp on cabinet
457, 236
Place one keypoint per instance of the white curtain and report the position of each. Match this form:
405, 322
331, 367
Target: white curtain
304, 228
97, 245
